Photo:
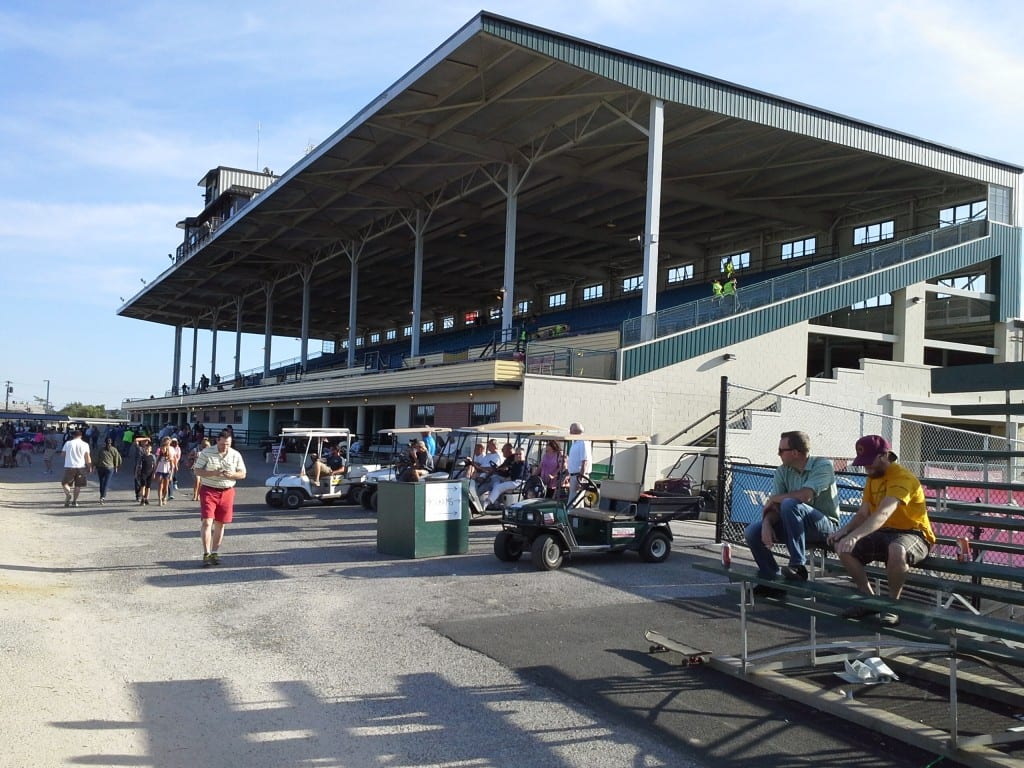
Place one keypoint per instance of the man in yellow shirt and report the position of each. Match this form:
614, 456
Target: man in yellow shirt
891, 525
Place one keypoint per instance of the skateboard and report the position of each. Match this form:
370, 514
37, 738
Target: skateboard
660, 644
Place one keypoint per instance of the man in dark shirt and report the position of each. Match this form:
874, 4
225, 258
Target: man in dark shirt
332, 464
516, 470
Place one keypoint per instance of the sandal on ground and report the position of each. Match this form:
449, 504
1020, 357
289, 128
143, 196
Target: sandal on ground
889, 619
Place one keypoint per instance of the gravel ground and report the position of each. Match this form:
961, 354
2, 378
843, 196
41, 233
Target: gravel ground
304, 648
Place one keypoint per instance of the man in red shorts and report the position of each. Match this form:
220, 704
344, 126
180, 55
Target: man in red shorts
218, 468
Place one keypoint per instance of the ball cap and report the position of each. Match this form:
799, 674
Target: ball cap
869, 448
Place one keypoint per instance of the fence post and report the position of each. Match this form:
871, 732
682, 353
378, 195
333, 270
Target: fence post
723, 418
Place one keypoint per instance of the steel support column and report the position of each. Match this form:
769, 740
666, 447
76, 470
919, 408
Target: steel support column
418, 229
509, 277
268, 325
176, 374
306, 275
238, 339
652, 215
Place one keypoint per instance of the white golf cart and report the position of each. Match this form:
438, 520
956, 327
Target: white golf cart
290, 490
519, 434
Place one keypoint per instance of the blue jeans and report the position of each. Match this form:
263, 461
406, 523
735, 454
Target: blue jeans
104, 475
798, 526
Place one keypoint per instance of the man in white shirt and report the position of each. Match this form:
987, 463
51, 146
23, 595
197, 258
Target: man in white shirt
77, 465
578, 463
218, 468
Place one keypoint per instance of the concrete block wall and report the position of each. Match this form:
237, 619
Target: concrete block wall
663, 403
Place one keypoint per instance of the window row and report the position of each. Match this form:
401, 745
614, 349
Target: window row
479, 414
866, 234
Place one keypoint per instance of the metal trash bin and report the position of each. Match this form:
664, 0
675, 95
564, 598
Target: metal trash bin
423, 519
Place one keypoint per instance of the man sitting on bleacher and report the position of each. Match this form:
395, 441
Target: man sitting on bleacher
891, 526
802, 511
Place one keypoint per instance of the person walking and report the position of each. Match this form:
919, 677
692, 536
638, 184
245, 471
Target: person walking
145, 470
193, 455
107, 463
77, 466
578, 462
164, 468
51, 444
175, 454
218, 468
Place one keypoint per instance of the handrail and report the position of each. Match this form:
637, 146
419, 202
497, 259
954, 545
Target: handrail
715, 412
686, 316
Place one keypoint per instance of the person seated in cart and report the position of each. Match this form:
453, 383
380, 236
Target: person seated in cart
518, 471
496, 472
421, 463
332, 464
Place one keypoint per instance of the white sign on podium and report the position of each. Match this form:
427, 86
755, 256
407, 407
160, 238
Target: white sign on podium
442, 501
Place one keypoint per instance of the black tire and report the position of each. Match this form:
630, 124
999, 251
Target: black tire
273, 499
656, 547
373, 500
546, 553
355, 492
364, 497
292, 500
508, 547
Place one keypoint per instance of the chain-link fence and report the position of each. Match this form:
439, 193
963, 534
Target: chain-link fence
936, 454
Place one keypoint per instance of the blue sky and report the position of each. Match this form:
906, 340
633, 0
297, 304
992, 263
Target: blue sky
112, 112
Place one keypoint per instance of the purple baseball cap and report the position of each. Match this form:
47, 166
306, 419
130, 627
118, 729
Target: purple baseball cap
869, 448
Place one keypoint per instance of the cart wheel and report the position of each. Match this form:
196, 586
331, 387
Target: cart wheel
656, 547
364, 497
546, 553
373, 500
273, 499
292, 500
508, 547
355, 492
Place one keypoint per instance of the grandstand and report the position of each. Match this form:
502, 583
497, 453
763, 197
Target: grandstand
527, 226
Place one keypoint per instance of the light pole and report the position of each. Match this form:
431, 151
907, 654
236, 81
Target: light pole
47, 406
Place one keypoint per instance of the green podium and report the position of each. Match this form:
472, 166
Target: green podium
423, 519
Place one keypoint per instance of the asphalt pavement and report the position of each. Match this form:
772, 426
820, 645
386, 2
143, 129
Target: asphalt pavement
308, 648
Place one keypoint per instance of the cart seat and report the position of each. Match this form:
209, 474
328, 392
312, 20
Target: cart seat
601, 514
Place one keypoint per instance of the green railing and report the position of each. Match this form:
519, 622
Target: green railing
696, 313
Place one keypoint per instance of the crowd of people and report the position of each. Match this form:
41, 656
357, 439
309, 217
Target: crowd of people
154, 458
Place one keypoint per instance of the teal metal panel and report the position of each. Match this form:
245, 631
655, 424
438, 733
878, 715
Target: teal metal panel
988, 409
992, 377
662, 352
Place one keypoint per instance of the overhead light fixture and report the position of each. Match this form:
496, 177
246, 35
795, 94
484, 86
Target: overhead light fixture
728, 356
916, 300
462, 234
610, 225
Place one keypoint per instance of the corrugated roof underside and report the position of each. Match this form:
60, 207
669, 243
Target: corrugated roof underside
1004, 241
688, 88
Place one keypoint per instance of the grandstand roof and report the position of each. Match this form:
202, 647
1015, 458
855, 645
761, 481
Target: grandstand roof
572, 115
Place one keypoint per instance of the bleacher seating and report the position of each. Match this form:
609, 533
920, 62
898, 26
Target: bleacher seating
584, 319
